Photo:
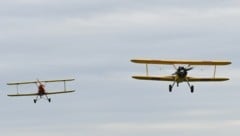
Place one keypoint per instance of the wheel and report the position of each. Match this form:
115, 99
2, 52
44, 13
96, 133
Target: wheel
49, 99
170, 88
34, 100
192, 89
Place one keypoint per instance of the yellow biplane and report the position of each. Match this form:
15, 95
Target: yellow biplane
41, 90
181, 73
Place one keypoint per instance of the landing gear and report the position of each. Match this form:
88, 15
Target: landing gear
41, 97
175, 82
170, 88
192, 89
48, 99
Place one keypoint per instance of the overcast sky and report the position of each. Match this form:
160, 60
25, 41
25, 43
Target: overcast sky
93, 42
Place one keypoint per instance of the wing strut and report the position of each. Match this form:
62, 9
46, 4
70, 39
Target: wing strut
174, 66
215, 70
147, 72
65, 88
17, 89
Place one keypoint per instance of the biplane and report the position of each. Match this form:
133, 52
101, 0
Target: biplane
181, 71
41, 93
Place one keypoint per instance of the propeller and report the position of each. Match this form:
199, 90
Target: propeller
182, 71
188, 68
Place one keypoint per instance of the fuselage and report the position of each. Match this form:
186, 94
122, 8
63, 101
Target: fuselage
41, 89
180, 79
180, 75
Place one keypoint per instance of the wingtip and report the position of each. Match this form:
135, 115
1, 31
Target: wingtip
132, 60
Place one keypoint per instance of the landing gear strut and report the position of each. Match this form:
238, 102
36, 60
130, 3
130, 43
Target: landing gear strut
49, 99
191, 87
171, 86
35, 100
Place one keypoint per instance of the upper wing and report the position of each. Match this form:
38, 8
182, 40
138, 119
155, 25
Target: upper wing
172, 78
35, 94
171, 62
20, 83
45, 81
64, 80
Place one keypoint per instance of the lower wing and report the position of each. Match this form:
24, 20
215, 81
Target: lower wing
216, 79
60, 92
35, 94
157, 78
28, 94
173, 78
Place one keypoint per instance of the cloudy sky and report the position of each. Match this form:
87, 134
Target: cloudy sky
93, 42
